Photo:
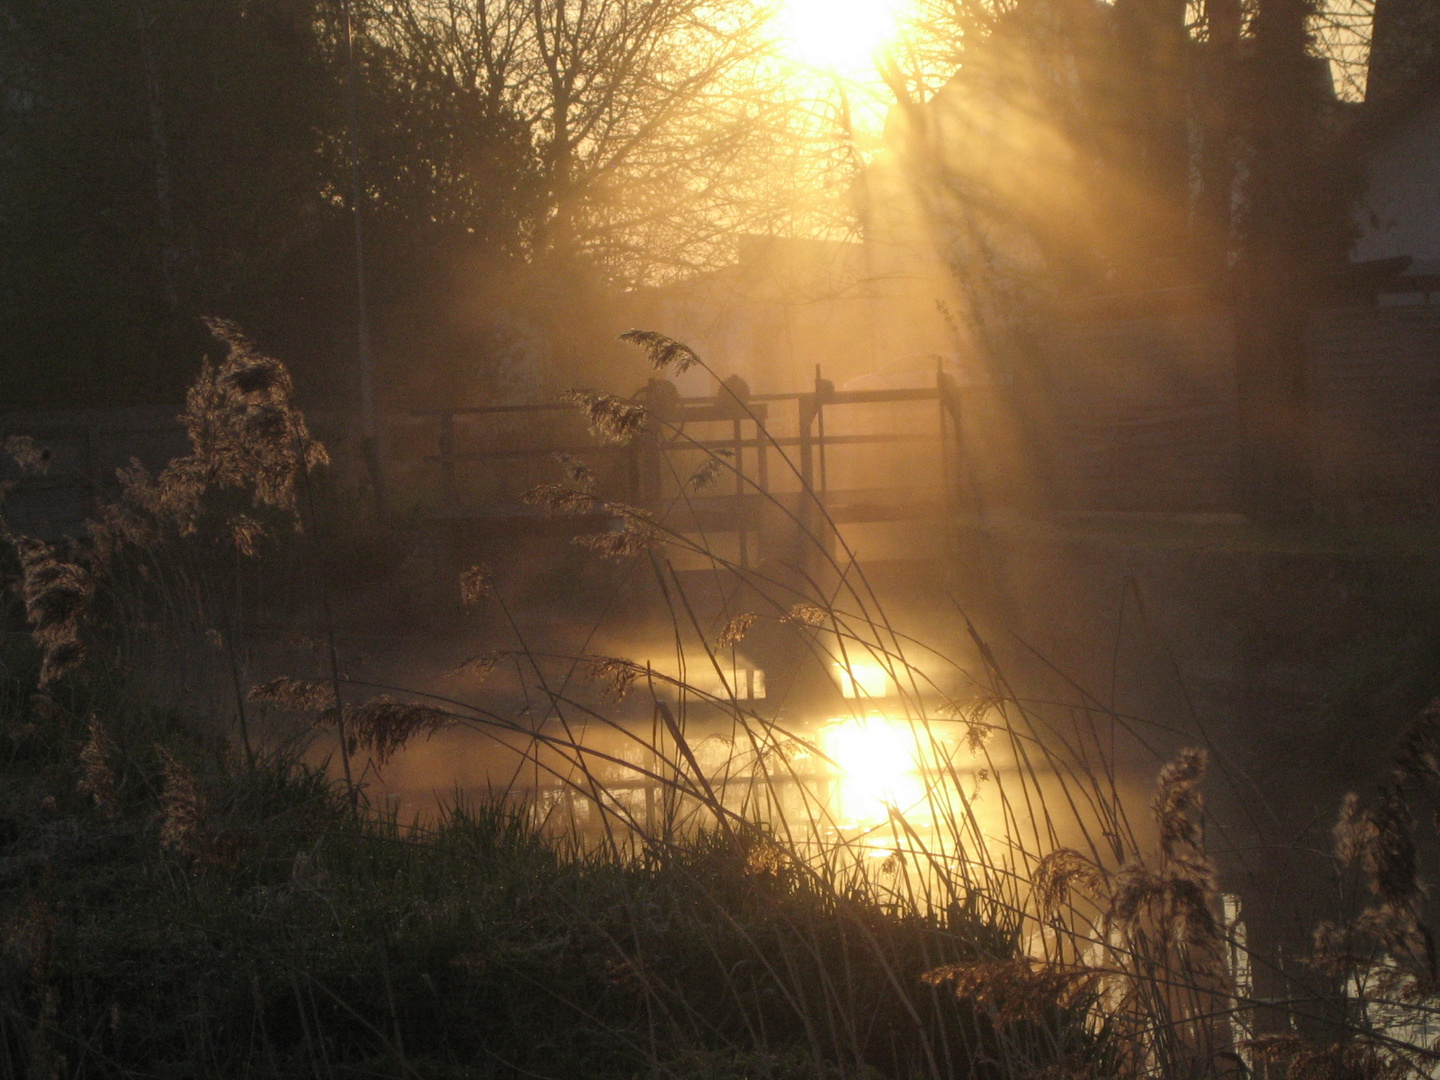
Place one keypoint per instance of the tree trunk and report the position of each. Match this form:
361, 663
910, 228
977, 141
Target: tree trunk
1278, 266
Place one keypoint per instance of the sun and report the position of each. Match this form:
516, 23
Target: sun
839, 36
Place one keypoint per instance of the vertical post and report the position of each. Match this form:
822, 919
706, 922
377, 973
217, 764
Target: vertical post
950, 403
762, 469
947, 494
447, 459
821, 393
741, 518
948, 523
808, 407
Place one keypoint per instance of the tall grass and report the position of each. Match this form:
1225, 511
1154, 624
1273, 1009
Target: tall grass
176, 902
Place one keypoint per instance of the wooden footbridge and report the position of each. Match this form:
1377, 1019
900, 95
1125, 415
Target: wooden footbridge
816, 460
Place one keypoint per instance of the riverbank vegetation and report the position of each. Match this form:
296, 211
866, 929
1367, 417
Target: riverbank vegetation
201, 894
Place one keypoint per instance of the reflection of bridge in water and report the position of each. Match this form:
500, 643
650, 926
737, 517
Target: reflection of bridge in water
815, 462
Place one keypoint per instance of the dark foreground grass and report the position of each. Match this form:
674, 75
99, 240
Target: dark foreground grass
280, 934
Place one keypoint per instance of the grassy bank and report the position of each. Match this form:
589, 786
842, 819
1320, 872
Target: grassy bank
210, 918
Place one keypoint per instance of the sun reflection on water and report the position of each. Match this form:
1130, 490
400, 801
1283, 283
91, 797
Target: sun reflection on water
876, 760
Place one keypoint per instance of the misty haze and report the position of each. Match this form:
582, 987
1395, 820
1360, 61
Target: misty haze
720, 539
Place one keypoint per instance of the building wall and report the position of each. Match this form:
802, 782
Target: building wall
1136, 414
1399, 213
1375, 410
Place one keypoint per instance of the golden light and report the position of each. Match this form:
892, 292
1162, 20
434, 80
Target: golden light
876, 760
840, 36
863, 679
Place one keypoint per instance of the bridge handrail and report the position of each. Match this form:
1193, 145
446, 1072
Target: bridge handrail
831, 397
811, 443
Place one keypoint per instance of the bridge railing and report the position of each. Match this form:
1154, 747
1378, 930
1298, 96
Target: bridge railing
883, 456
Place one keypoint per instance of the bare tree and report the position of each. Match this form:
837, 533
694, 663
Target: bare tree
1342, 34
648, 119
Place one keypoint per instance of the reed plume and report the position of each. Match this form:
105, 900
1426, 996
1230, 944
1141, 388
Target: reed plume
28, 454
97, 779
1015, 990
1063, 871
706, 475
295, 695
479, 668
611, 419
1417, 759
734, 631
665, 353
245, 435
806, 614
974, 716
636, 535
58, 595
1170, 906
182, 809
382, 726
476, 584
560, 498
614, 675
1379, 839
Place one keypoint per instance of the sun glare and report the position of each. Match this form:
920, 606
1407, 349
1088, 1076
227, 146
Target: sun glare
876, 759
840, 36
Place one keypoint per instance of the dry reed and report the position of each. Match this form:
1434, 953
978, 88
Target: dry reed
28, 454
476, 584
295, 695
612, 419
734, 631
97, 779
635, 535
663, 352
182, 809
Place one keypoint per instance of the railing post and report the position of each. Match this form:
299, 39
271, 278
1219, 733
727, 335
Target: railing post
946, 482
741, 517
762, 501
823, 389
808, 410
809, 407
950, 405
